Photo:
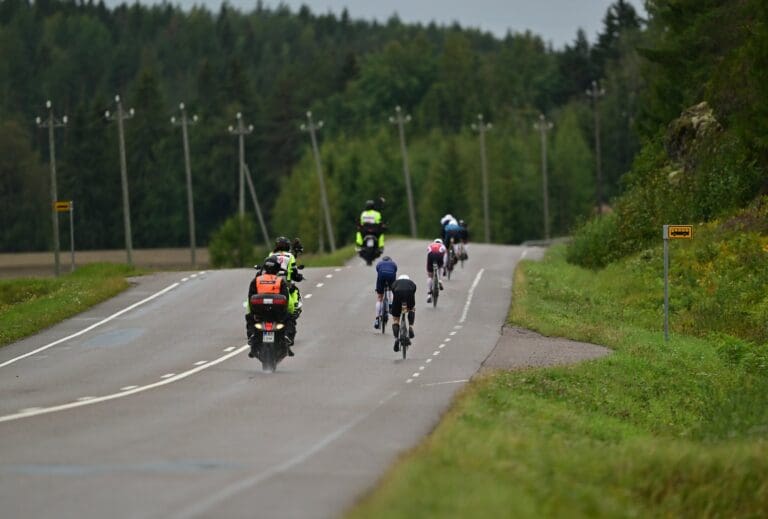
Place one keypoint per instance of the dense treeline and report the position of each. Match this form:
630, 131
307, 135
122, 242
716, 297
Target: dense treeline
703, 119
273, 65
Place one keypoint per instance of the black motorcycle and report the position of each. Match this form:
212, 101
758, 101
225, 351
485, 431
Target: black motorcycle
369, 251
270, 315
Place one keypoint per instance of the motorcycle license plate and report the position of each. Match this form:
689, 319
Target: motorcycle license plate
370, 243
268, 337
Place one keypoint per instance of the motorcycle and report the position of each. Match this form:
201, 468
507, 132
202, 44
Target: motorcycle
370, 248
270, 313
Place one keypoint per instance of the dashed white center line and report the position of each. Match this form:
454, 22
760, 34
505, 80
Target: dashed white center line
202, 272
409, 381
428, 361
168, 375
231, 348
416, 374
128, 388
442, 346
184, 279
308, 296
447, 339
421, 368
329, 276
320, 285
435, 353
337, 270
452, 333
85, 398
193, 276
458, 327
200, 362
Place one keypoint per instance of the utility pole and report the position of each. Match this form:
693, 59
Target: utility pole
311, 127
241, 130
52, 122
543, 126
595, 92
257, 206
481, 128
400, 120
120, 116
184, 122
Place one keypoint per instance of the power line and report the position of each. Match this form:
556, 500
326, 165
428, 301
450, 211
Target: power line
400, 120
184, 122
121, 116
51, 122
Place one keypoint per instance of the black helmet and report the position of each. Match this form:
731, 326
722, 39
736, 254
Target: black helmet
282, 244
271, 265
386, 258
369, 204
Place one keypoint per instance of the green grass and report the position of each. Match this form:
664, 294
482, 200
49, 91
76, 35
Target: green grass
28, 305
654, 430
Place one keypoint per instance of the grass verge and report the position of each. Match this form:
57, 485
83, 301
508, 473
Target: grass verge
656, 429
28, 305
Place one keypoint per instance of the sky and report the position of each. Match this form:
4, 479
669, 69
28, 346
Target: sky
555, 20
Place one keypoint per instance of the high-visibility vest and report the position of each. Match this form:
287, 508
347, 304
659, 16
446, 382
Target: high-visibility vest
370, 217
268, 284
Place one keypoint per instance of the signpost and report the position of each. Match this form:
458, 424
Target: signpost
671, 232
67, 206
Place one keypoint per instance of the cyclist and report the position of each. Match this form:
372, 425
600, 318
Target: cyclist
266, 281
435, 254
464, 237
386, 271
403, 291
286, 253
370, 222
444, 222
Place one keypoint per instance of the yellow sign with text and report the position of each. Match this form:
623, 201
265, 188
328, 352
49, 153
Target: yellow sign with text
63, 207
680, 232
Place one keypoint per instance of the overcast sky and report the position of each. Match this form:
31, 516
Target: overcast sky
555, 20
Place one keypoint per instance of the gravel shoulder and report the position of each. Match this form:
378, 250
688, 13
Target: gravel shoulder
518, 348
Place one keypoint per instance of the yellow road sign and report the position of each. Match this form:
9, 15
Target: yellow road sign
63, 206
680, 232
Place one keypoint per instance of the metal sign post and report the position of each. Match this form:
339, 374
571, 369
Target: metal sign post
671, 232
67, 206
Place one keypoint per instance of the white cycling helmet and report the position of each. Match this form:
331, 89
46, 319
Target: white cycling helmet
403, 276
439, 241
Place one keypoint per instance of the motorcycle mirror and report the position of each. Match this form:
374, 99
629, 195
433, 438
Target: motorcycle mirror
300, 267
257, 267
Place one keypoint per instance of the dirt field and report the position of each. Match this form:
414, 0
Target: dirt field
41, 263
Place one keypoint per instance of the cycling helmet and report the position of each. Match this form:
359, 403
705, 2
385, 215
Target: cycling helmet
282, 244
386, 258
271, 265
439, 241
369, 204
462, 223
403, 276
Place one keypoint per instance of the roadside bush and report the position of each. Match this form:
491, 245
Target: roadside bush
232, 244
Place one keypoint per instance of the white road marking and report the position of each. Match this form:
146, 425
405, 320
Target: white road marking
337, 270
128, 388
416, 374
91, 327
184, 279
448, 382
458, 327
240, 485
447, 339
409, 381
320, 285
436, 353
30, 409
85, 398
329, 276
230, 348
452, 333
45, 410
193, 276
421, 368
525, 253
202, 272
470, 294
428, 361
442, 346
200, 362
168, 375
308, 296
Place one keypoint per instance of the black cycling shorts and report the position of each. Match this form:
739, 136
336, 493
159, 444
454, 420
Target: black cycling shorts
434, 257
400, 297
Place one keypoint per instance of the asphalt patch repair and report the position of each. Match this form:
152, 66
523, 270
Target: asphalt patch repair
518, 348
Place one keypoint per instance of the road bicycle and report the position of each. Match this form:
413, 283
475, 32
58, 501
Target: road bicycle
435, 288
405, 341
462, 254
452, 259
384, 312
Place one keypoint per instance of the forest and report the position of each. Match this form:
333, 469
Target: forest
273, 65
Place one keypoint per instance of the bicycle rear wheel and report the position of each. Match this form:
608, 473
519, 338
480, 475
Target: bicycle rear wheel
384, 313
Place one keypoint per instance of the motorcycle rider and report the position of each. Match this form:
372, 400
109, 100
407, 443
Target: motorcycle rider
370, 221
386, 271
266, 281
435, 254
286, 253
403, 291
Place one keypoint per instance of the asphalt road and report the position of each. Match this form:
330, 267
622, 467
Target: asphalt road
157, 411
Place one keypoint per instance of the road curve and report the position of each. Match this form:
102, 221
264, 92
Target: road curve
157, 412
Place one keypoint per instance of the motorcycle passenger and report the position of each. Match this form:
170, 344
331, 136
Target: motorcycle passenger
370, 222
386, 272
403, 291
435, 254
286, 253
266, 281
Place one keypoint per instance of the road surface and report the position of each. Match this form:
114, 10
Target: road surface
148, 406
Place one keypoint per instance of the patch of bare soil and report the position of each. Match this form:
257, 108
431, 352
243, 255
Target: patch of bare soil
519, 348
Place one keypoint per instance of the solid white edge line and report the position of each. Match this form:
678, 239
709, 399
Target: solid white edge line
128, 388
470, 294
524, 254
91, 327
200, 362
447, 382
122, 394
168, 375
